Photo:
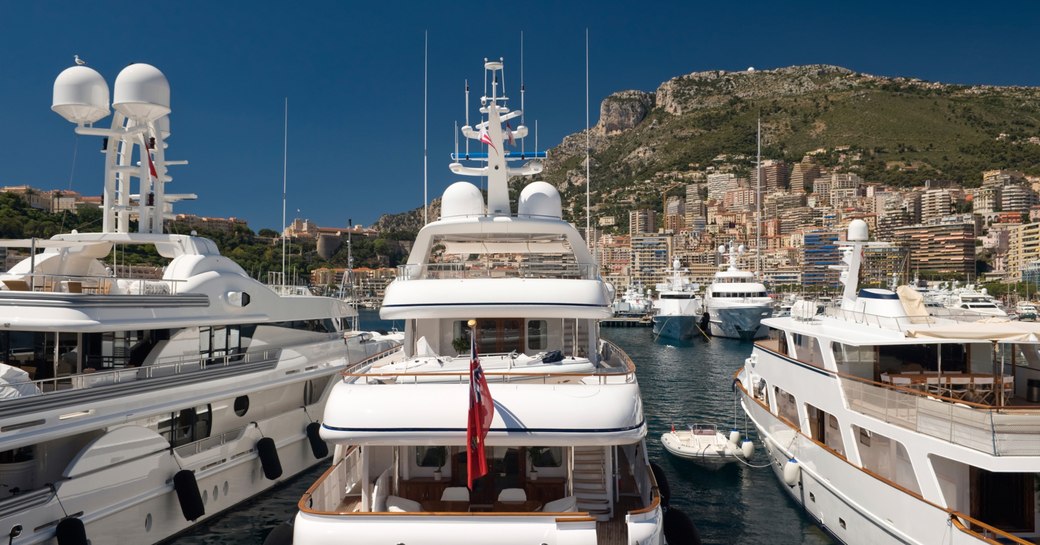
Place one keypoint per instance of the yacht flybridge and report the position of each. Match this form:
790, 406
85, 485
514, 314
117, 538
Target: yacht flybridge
132, 408
889, 425
566, 447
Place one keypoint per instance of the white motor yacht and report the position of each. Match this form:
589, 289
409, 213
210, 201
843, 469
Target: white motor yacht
634, 302
133, 408
736, 302
678, 307
566, 446
889, 425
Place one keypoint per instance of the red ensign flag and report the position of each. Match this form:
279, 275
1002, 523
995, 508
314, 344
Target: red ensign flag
481, 411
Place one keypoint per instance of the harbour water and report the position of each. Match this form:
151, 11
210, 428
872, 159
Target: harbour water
681, 385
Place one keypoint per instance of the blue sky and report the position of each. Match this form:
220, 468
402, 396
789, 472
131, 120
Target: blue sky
353, 74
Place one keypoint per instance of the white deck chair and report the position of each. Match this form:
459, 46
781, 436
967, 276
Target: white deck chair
455, 493
512, 494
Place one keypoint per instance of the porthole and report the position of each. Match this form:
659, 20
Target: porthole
842, 523
205, 497
812, 497
241, 405
148, 522
215, 493
225, 488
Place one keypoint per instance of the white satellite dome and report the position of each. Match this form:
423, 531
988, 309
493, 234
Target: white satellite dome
540, 199
462, 199
142, 93
858, 231
80, 95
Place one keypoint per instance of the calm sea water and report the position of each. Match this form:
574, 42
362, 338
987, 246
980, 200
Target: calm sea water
680, 385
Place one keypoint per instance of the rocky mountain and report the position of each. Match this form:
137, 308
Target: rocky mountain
899, 131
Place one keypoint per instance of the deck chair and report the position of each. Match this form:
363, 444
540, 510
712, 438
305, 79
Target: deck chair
17, 285
455, 493
512, 494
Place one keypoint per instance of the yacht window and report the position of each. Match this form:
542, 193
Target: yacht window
187, 426
500, 335
314, 389
537, 334
824, 429
545, 456
241, 405
786, 407
431, 456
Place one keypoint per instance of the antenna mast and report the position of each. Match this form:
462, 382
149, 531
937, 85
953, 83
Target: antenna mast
522, 89
426, 56
285, 161
758, 201
588, 181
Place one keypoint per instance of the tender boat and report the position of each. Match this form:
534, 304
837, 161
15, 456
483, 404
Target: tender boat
736, 302
133, 408
566, 444
706, 445
678, 309
889, 425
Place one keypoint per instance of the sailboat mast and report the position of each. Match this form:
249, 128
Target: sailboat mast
758, 205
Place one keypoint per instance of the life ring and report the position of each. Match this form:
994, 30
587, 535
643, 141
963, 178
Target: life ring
70, 531
268, 453
318, 446
188, 495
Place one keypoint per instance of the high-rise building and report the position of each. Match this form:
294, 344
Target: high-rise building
802, 175
719, 183
774, 176
642, 221
650, 258
940, 248
819, 253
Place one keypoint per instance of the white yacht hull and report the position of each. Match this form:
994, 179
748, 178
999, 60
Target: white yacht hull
679, 327
744, 322
853, 506
120, 484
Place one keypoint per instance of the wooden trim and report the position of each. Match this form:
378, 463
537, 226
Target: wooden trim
955, 518
305, 499
654, 503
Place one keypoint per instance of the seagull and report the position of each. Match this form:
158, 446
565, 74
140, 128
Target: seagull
79, 61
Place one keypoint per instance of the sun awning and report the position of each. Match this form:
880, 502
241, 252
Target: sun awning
1003, 331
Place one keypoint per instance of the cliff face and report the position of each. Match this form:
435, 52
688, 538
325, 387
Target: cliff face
899, 131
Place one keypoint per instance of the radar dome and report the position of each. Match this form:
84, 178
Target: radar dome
539, 199
462, 199
858, 231
722, 248
80, 95
142, 93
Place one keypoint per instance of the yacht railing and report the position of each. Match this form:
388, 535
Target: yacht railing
613, 362
1002, 431
164, 367
55, 283
203, 445
330, 490
455, 271
898, 323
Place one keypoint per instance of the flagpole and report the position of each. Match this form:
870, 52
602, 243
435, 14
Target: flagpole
588, 180
285, 161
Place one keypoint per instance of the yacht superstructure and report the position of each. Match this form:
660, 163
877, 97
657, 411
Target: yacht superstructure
566, 447
889, 425
133, 408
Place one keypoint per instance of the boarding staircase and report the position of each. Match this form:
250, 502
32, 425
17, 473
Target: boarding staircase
592, 482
